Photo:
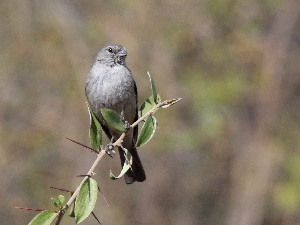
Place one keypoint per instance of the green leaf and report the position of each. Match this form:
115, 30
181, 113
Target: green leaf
95, 131
113, 119
86, 200
154, 93
44, 218
126, 166
61, 200
72, 210
149, 104
147, 131
55, 202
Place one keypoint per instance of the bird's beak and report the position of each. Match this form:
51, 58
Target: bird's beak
121, 53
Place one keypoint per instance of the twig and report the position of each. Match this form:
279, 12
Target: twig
141, 119
99, 157
73, 197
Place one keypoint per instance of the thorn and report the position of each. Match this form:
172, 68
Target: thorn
84, 175
39, 210
103, 196
95, 217
94, 150
62, 189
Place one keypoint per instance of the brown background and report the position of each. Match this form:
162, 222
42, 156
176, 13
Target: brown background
228, 153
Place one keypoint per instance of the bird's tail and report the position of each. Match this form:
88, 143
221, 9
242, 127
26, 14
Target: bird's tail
136, 173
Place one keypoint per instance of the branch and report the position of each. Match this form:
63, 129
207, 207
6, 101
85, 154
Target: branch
99, 157
102, 153
73, 197
142, 118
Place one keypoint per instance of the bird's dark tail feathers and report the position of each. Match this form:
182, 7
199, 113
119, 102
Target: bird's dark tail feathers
136, 173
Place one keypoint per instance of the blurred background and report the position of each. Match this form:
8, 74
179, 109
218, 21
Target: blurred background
227, 153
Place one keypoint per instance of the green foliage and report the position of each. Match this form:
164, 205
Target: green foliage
113, 119
126, 166
86, 200
95, 131
153, 88
59, 202
44, 218
149, 104
149, 126
147, 131
55, 202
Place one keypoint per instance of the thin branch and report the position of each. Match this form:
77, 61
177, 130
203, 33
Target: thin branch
96, 218
100, 156
141, 119
73, 197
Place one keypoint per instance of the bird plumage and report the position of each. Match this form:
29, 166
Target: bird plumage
110, 85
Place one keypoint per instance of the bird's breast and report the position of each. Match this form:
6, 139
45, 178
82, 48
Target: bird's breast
112, 88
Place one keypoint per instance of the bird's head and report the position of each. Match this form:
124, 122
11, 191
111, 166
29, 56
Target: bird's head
112, 55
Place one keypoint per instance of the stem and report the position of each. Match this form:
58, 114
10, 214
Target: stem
99, 157
150, 112
73, 197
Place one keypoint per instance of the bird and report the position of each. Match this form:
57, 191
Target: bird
110, 85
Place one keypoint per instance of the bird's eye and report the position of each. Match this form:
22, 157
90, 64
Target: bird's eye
110, 50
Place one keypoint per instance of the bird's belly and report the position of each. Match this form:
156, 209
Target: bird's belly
116, 96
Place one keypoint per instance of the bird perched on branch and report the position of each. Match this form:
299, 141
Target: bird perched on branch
110, 85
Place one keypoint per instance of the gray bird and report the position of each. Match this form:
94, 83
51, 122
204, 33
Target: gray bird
110, 85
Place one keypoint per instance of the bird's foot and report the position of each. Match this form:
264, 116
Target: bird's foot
109, 149
127, 125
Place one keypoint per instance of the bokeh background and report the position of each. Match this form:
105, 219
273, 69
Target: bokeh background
228, 153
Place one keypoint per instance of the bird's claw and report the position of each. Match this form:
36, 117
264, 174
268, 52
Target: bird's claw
109, 149
127, 125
